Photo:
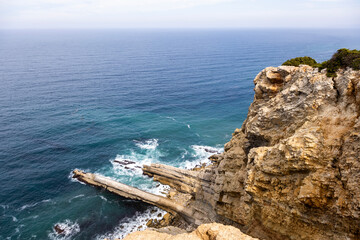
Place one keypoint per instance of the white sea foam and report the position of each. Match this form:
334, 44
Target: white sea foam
28, 206
78, 196
172, 118
4, 206
17, 231
201, 156
103, 198
128, 168
34, 204
188, 125
131, 164
149, 144
69, 230
70, 176
184, 154
135, 223
13, 218
159, 189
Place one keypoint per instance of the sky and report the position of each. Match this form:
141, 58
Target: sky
54, 14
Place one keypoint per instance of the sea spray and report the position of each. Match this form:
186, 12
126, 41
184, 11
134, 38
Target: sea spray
129, 166
201, 155
132, 224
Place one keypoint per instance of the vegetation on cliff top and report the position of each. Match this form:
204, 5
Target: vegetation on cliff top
301, 60
343, 58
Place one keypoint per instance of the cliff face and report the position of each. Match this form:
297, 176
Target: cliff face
293, 169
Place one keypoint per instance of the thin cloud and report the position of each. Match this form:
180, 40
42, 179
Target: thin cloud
120, 4
178, 13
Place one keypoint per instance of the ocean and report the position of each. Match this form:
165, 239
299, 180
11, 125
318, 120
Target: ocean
86, 98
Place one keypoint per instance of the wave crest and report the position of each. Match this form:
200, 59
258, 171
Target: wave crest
150, 144
135, 223
201, 156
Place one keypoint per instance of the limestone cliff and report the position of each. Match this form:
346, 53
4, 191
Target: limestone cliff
292, 171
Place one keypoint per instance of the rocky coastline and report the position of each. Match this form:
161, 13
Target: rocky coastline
291, 171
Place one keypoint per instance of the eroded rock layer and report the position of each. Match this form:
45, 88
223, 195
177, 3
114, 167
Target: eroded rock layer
292, 171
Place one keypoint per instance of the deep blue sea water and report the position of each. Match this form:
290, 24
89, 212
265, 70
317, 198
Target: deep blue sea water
83, 98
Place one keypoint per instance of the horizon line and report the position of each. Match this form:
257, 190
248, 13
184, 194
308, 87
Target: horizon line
187, 28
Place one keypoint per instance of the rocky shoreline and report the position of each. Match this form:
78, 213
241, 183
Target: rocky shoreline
290, 172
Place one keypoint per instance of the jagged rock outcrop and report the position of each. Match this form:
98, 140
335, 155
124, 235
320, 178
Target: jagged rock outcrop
213, 231
293, 169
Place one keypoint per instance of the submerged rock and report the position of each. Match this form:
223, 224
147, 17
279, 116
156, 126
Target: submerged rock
124, 162
58, 229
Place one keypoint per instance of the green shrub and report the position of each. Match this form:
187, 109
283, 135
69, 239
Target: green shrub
301, 60
356, 64
343, 58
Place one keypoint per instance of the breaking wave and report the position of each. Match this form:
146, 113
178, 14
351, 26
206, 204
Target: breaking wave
127, 168
149, 144
135, 223
200, 155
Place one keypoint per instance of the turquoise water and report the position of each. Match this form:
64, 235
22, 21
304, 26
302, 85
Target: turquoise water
82, 99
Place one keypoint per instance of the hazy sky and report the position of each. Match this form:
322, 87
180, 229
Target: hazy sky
179, 14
